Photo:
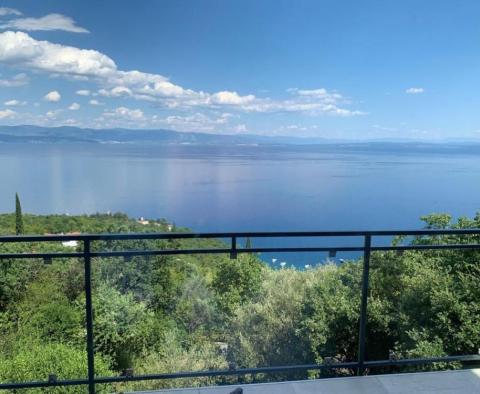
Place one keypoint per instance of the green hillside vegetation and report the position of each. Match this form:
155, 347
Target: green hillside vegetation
178, 313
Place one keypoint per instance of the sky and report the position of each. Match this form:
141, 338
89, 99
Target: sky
321, 68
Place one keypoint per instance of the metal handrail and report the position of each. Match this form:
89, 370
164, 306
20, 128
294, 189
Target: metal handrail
367, 247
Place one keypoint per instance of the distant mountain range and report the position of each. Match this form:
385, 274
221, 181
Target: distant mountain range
75, 135
66, 134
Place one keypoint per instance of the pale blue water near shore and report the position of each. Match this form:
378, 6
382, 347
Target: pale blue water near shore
246, 188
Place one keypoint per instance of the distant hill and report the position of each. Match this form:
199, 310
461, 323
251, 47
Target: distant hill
65, 134
76, 135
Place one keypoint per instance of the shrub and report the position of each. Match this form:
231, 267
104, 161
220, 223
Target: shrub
35, 361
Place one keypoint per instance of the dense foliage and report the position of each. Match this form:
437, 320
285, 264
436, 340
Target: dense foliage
177, 313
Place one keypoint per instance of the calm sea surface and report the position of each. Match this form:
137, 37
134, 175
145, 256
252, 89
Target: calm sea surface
245, 188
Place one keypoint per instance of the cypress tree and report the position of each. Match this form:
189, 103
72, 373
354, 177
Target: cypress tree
248, 244
18, 216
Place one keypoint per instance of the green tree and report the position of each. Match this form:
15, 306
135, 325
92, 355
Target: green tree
237, 281
44, 312
196, 308
172, 356
18, 216
34, 361
266, 331
15, 276
123, 327
331, 312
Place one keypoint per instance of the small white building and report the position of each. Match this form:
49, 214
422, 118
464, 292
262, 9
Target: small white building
70, 244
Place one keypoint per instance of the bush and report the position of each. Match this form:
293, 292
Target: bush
123, 327
35, 361
237, 281
173, 357
265, 332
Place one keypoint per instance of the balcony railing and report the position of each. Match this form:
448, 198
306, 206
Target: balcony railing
367, 247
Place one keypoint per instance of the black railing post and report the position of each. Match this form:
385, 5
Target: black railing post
233, 252
363, 305
89, 316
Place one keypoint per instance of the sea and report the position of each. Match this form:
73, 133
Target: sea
376, 186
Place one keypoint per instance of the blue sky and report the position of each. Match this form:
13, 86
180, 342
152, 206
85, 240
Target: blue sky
334, 69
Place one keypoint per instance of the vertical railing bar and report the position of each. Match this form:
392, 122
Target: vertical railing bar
363, 305
233, 252
89, 316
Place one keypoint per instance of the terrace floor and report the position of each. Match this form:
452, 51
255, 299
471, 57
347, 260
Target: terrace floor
445, 382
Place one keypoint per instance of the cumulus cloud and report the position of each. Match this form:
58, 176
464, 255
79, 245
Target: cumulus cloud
95, 102
83, 92
17, 80
194, 122
52, 96
74, 107
117, 91
314, 102
125, 113
231, 98
415, 90
7, 113
241, 128
317, 93
19, 49
4, 11
14, 103
45, 23
53, 114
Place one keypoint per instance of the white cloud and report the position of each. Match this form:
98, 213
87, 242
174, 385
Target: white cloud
52, 96
314, 102
241, 128
74, 107
51, 114
7, 113
317, 93
17, 80
117, 91
95, 102
19, 49
125, 113
83, 92
231, 98
415, 90
195, 122
13, 103
295, 127
4, 11
45, 23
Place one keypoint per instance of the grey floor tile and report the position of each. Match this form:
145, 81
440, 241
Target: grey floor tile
426, 383
366, 385
448, 382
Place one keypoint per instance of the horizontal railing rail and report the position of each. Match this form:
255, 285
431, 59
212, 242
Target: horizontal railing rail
366, 247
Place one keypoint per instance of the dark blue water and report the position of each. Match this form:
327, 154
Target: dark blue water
245, 188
